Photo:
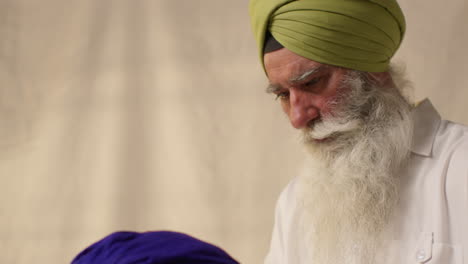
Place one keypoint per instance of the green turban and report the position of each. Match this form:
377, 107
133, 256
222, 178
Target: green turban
357, 34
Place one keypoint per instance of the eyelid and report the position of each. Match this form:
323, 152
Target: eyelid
280, 95
314, 80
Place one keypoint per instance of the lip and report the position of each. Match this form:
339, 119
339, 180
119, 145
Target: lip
321, 140
326, 139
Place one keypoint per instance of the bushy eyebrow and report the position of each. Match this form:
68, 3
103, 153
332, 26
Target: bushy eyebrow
274, 88
305, 75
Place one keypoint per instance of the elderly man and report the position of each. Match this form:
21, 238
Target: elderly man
386, 181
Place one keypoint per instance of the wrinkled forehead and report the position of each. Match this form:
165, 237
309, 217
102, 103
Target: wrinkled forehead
283, 64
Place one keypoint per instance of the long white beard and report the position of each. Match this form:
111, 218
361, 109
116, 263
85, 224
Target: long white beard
350, 185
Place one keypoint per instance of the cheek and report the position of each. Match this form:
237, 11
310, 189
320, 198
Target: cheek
330, 98
326, 104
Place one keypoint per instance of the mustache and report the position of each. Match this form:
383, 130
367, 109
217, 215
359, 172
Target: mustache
330, 127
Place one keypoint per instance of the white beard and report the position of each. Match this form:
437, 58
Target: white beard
350, 186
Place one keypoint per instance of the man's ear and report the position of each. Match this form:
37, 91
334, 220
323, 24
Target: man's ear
380, 78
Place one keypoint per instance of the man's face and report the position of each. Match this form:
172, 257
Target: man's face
305, 87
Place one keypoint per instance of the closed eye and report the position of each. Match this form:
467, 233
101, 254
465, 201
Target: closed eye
312, 82
282, 96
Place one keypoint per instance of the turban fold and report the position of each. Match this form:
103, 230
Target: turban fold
160, 247
357, 34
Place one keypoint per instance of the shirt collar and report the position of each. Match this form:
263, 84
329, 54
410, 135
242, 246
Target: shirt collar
426, 121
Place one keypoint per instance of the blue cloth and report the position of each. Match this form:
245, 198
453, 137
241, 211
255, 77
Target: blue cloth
160, 247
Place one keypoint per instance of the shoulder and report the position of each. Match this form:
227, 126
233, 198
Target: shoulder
450, 157
452, 140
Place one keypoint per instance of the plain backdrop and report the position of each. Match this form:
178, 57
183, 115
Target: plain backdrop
151, 115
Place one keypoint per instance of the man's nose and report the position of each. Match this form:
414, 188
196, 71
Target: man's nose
302, 109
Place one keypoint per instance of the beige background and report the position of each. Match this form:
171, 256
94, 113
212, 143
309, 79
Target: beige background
149, 115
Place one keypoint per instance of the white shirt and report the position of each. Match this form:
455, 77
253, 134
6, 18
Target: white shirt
431, 224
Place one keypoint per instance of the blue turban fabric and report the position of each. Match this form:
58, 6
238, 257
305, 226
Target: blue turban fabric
161, 247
